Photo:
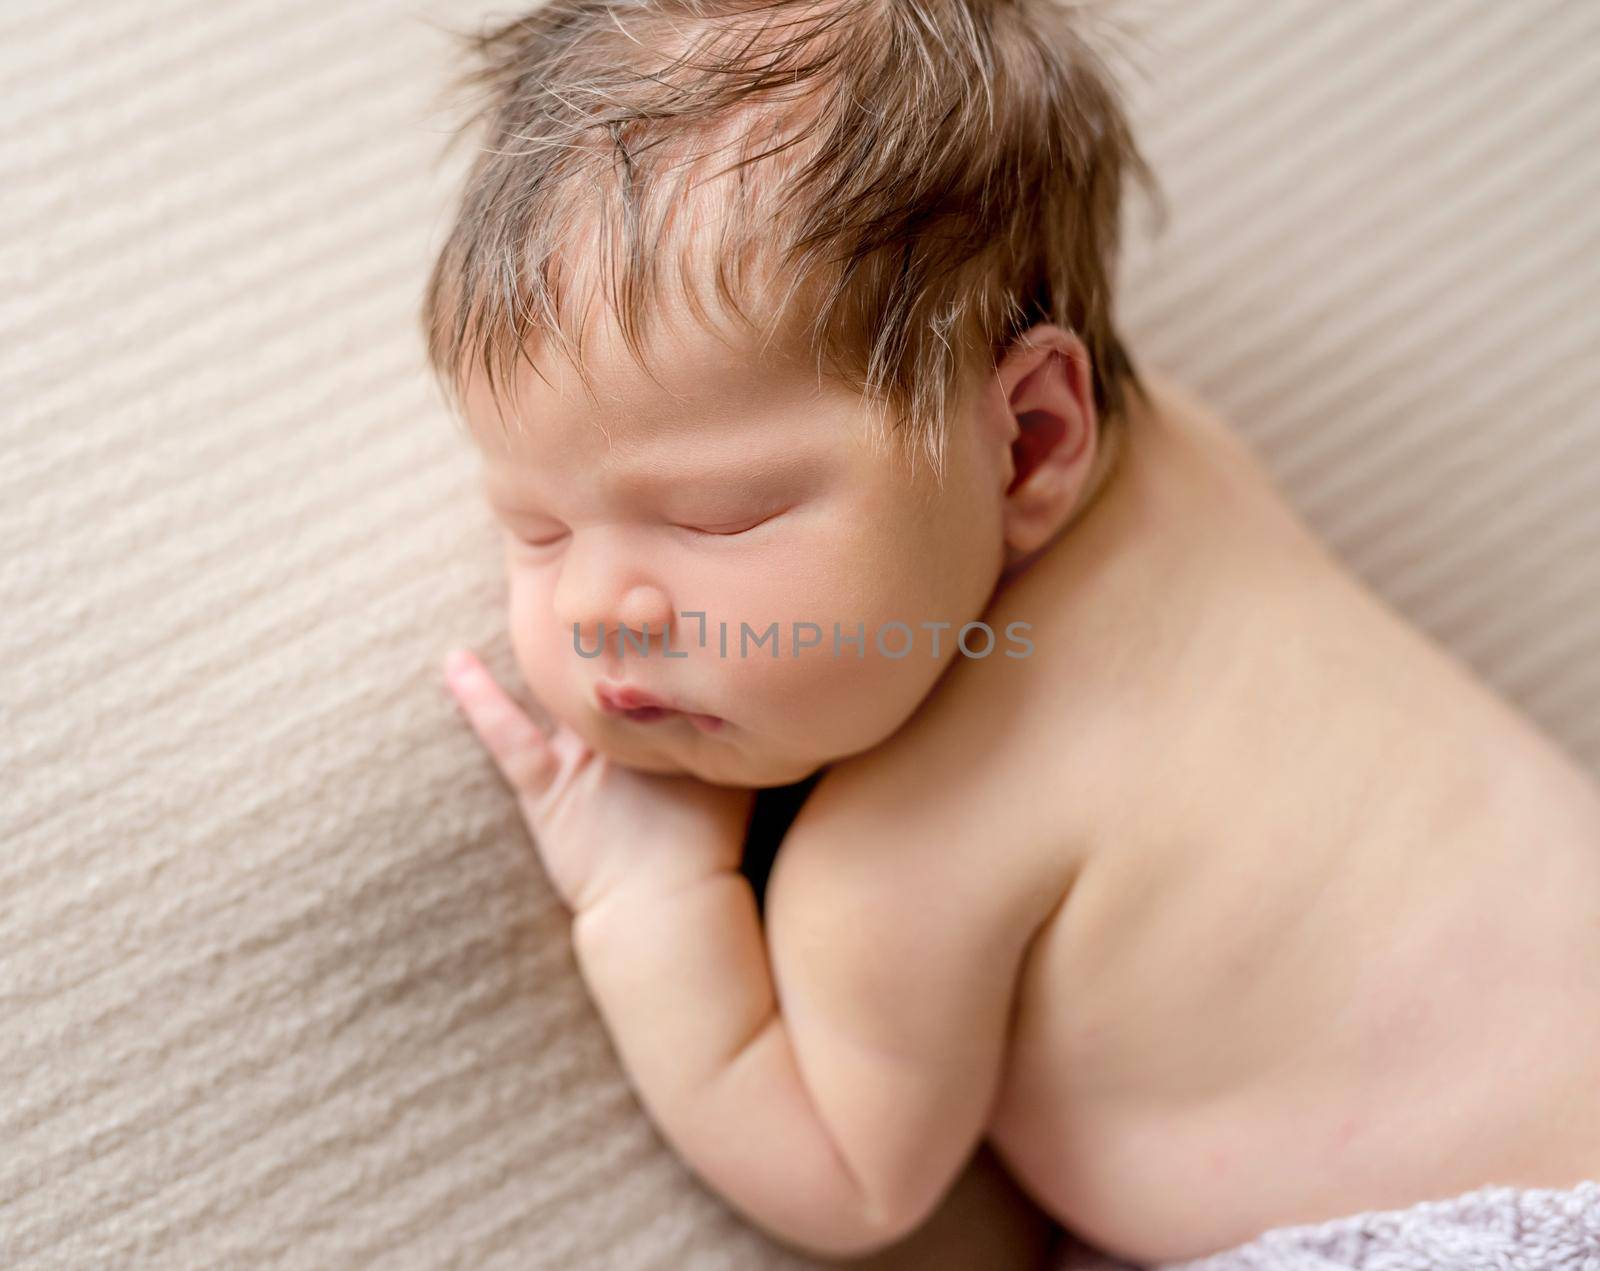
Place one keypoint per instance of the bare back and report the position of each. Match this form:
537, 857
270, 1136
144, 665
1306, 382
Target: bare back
1333, 936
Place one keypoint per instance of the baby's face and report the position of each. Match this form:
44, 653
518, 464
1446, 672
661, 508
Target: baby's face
751, 493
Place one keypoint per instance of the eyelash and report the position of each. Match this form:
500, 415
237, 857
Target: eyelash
692, 529
695, 529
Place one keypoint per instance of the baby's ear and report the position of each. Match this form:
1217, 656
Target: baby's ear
1053, 432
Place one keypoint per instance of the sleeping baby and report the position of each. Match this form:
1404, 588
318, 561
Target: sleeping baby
1149, 847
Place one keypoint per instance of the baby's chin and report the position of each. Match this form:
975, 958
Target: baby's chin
718, 764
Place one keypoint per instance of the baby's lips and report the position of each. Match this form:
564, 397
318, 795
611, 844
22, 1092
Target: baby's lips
625, 699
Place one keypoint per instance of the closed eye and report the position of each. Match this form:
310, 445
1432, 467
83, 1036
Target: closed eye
550, 541
729, 531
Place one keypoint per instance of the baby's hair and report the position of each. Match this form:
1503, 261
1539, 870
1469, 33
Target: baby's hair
923, 179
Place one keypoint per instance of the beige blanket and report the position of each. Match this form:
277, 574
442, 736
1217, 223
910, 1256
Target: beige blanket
280, 982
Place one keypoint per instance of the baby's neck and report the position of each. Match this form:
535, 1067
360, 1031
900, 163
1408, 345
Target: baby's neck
1154, 563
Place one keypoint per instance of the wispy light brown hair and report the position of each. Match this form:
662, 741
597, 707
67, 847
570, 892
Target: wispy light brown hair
923, 179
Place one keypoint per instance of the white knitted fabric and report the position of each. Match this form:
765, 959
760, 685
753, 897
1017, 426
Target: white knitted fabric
1491, 1229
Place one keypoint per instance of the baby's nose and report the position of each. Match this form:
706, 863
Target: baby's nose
643, 609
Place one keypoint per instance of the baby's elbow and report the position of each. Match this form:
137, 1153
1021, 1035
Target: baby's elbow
862, 1231
844, 1240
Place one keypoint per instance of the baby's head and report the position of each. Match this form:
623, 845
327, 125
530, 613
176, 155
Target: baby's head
793, 315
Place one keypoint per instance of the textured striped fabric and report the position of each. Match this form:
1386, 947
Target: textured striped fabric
280, 981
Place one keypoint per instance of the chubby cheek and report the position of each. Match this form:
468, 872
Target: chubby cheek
844, 694
914, 561
535, 642
841, 702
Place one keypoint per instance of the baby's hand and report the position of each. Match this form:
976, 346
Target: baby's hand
596, 824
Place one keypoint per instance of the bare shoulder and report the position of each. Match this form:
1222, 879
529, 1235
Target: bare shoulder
901, 910
900, 913
954, 799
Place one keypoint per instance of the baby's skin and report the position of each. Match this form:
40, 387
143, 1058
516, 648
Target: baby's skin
1238, 902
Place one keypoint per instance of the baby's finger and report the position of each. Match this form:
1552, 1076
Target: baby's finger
520, 750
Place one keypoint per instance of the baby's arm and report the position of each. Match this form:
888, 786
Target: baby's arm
896, 934
840, 1120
